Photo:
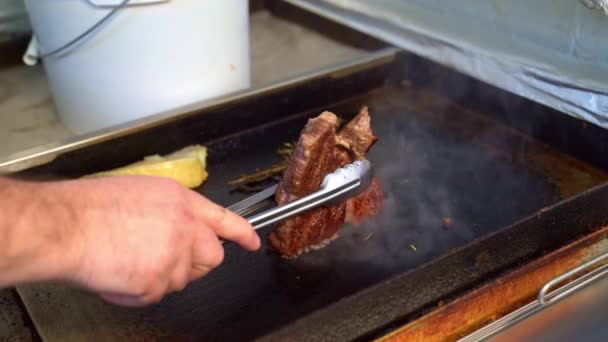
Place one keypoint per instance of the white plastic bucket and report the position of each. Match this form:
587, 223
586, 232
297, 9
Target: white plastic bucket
150, 56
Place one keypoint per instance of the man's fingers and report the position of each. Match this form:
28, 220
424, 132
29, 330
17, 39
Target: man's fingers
225, 223
151, 295
207, 251
123, 300
198, 271
181, 275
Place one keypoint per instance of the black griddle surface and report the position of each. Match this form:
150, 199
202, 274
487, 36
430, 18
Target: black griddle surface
434, 160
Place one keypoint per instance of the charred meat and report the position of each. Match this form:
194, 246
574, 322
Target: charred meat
320, 150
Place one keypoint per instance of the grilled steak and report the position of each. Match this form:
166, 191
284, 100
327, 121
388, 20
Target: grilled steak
320, 151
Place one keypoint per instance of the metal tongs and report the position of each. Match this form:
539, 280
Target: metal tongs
343, 183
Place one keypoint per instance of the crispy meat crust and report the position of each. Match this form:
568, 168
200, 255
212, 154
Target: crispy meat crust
320, 151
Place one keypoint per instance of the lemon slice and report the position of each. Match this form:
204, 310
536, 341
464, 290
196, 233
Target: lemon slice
187, 166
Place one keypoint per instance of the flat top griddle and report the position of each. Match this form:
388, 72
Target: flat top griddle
435, 158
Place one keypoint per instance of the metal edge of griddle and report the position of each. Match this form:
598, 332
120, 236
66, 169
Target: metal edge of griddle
503, 299
540, 304
378, 310
45, 154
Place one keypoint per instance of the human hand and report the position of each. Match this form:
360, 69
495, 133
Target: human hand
135, 239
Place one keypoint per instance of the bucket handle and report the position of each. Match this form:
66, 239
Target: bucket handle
118, 3
33, 53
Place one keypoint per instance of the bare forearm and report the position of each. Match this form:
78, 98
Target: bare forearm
30, 233
131, 239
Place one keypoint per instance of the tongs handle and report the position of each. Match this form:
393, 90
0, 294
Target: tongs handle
300, 205
336, 186
344, 182
245, 206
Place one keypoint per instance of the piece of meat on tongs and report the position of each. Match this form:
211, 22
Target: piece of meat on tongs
346, 182
320, 150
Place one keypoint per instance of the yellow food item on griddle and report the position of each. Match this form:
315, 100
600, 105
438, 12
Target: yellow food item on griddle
187, 166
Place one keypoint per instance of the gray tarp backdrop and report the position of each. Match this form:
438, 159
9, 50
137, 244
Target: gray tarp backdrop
551, 51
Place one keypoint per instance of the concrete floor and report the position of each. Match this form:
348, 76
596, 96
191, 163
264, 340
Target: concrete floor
279, 50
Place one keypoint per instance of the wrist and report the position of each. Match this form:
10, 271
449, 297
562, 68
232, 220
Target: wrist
58, 216
36, 237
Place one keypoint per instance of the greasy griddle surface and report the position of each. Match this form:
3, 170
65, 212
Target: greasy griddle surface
435, 160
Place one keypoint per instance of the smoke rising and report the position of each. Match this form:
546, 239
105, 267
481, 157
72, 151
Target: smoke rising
436, 165
410, 224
